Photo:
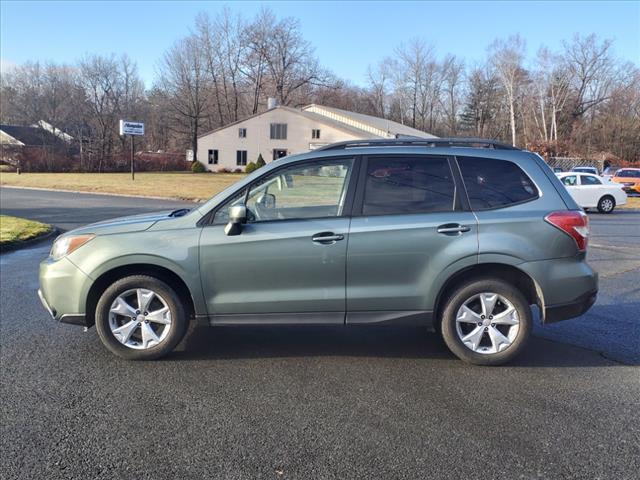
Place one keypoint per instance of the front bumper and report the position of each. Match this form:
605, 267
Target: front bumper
565, 311
73, 319
62, 291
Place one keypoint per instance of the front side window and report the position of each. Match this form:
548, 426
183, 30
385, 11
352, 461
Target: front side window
241, 157
570, 180
278, 131
495, 183
221, 216
589, 180
311, 190
402, 185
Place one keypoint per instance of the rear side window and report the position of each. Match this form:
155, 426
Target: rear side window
587, 180
401, 185
495, 183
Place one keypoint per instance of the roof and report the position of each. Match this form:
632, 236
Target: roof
27, 136
56, 131
381, 127
357, 124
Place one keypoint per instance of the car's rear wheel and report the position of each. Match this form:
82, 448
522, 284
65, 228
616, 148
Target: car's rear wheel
140, 318
486, 322
606, 204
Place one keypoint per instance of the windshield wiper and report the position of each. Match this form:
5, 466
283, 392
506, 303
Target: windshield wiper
180, 212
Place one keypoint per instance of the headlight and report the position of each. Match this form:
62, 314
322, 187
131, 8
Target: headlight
66, 244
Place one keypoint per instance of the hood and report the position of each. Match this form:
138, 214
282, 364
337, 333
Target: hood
133, 223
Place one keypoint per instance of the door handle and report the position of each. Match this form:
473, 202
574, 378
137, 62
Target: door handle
453, 228
327, 237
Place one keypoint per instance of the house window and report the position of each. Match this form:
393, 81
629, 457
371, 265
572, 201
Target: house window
241, 158
213, 157
242, 133
278, 131
315, 133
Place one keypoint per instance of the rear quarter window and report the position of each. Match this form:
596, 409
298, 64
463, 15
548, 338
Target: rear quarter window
495, 183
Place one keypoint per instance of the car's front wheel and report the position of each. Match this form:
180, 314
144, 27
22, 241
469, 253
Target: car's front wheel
140, 318
606, 204
486, 322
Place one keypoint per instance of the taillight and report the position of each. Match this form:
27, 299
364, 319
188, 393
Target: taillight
574, 223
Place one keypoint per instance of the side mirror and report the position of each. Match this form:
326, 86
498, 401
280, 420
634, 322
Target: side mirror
237, 216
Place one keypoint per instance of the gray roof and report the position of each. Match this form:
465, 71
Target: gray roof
393, 128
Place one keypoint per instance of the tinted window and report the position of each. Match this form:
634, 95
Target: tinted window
628, 173
495, 183
570, 180
589, 180
408, 185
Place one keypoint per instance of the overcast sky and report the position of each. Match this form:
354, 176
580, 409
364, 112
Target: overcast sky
347, 36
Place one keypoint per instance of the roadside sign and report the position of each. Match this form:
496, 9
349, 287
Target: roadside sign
131, 128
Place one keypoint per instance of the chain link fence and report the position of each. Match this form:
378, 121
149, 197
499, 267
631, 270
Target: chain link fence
568, 163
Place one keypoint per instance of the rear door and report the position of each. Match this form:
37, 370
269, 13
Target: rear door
409, 225
591, 190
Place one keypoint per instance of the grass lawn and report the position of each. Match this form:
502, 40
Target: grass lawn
184, 185
14, 229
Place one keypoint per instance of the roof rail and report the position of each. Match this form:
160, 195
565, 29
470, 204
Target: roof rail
421, 142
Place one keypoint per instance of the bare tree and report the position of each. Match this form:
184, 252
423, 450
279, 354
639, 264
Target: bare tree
590, 64
507, 57
183, 77
452, 76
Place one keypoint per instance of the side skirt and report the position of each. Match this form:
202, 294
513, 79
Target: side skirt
387, 317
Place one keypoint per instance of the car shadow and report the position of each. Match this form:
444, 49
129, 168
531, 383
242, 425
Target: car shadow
245, 342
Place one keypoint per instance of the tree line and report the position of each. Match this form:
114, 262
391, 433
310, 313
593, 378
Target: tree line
580, 100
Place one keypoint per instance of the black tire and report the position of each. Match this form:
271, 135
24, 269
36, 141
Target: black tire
606, 204
466, 291
179, 321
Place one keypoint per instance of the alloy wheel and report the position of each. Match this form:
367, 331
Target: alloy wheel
140, 318
487, 323
607, 205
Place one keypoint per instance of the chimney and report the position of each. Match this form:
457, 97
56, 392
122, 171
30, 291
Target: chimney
271, 103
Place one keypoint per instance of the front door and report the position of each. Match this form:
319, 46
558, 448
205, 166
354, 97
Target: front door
407, 230
288, 263
279, 153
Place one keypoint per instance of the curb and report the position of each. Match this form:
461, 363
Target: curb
12, 246
182, 199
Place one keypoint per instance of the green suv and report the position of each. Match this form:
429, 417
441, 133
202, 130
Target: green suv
459, 235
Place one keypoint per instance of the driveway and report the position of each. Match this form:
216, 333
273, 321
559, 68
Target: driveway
315, 402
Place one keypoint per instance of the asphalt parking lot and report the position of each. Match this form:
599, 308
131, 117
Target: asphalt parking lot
316, 402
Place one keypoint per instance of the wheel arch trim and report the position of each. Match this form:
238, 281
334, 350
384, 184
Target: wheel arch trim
187, 287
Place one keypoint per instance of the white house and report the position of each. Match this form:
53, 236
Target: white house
282, 131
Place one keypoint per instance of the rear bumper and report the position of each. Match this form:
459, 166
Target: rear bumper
567, 287
565, 311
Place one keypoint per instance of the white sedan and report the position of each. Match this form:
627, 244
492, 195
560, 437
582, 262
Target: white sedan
589, 191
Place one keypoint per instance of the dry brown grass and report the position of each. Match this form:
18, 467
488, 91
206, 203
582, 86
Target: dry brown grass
183, 185
632, 202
